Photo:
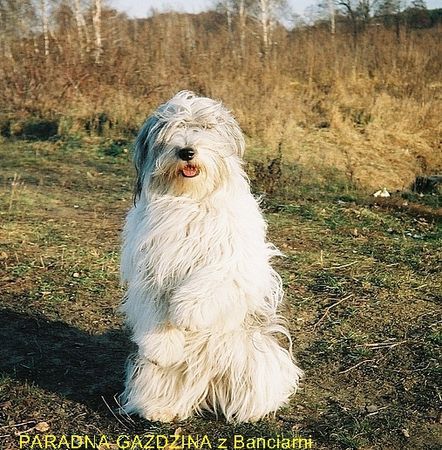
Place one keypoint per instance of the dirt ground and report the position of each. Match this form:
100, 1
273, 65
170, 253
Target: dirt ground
362, 282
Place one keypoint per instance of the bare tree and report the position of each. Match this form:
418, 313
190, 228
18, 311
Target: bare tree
45, 24
332, 12
242, 26
239, 10
82, 31
348, 6
419, 4
97, 28
264, 8
364, 10
390, 10
357, 13
228, 6
388, 7
267, 12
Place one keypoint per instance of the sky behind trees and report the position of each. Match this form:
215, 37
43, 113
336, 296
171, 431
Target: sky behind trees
141, 8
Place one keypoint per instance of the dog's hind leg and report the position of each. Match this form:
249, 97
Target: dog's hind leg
152, 391
259, 377
159, 387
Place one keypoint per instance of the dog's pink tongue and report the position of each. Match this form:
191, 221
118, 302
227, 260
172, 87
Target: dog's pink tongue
189, 171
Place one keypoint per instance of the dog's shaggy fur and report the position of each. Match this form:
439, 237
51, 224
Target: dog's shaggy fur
202, 297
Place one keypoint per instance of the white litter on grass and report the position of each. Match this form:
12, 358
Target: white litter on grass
382, 193
414, 235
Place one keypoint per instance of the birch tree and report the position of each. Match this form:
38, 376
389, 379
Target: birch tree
242, 15
332, 12
97, 29
237, 10
82, 31
268, 12
228, 6
45, 25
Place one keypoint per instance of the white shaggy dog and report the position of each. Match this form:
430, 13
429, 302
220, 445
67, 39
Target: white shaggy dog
201, 297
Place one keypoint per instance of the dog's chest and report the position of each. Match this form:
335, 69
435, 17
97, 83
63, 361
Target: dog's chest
176, 239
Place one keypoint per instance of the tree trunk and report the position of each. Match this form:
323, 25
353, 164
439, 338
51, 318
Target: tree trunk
331, 8
83, 35
229, 26
265, 25
242, 27
97, 28
45, 23
354, 24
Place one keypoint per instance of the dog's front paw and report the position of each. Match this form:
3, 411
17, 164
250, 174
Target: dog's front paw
191, 315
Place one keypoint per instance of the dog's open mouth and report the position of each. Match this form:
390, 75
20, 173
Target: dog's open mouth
190, 171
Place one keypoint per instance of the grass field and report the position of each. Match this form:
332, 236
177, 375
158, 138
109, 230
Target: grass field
362, 282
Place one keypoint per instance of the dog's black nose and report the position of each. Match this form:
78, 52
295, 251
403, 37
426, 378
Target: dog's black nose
186, 154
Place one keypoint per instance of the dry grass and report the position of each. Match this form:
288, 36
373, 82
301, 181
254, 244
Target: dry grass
370, 111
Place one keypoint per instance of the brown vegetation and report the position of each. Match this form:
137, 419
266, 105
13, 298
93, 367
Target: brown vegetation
368, 105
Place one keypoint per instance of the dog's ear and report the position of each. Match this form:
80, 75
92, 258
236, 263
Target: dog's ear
142, 148
234, 133
238, 137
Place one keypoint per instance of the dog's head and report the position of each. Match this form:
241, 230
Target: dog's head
190, 146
